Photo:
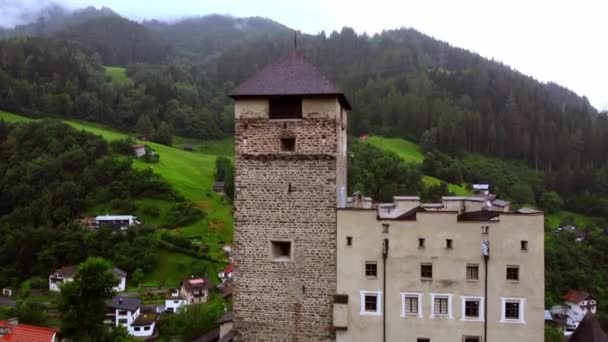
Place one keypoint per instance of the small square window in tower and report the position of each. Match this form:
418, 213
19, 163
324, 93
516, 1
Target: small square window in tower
288, 144
281, 250
285, 107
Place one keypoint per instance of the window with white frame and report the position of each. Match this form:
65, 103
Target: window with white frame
371, 303
472, 308
513, 310
442, 305
411, 304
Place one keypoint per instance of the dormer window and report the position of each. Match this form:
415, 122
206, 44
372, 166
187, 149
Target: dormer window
285, 107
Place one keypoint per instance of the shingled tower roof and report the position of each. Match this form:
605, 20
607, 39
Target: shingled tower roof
588, 330
292, 75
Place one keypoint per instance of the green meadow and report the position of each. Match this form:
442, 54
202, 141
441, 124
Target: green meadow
118, 75
411, 152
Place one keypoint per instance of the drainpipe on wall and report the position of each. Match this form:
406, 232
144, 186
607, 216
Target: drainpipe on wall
485, 250
384, 256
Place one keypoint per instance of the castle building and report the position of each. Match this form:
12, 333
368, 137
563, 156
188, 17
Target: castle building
311, 264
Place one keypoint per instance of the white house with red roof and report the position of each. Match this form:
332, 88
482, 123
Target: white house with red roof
12, 331
226, 274
577, 304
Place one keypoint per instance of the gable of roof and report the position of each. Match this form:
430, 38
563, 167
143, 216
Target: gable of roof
27, 333
588, 330
576, 296
292, 75
119, 273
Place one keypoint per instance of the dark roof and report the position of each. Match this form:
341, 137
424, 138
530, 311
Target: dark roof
196, 284
481, 215
67, 272
588, 330
70, 271
228, 337
211, 336
145, 318
124, 303
228, 317
292, 75
575, 296
8, 302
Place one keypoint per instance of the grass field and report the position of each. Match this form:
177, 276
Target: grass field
118, 75
407, 150
410, 152
192, 175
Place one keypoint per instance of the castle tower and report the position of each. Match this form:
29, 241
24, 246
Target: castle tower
290, 178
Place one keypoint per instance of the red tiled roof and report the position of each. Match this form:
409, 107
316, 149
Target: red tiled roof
229, 269
27, 333
292, 75
575, 296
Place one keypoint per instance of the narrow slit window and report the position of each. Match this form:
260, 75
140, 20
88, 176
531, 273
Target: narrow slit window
448, 243
524, 245
289, 188
349, 241
421, 242
288, 144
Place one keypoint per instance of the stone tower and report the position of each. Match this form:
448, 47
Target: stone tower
290, 178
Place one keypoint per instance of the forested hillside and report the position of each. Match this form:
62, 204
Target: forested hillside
50, 176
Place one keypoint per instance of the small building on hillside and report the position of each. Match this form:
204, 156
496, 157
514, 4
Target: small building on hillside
174, 301
139, 150
11, 330
226, 273
578, 304
195, 290
127, 312
7, 291
121, 222
219, 187
188, 147
66, 274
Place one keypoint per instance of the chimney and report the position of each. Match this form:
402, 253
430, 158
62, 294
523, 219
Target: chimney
4, 330
13, 321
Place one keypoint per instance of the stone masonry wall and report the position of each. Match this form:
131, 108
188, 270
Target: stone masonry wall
288, 300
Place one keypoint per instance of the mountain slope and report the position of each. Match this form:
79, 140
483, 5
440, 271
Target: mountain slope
118, 41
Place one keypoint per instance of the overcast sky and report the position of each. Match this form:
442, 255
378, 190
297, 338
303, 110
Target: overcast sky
551, 40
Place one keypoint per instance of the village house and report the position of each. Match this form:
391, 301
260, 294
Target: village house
139, 150
226, 274
116, 222
312, 264
12, 331
174, 301
127, 312
578, 304
195, 290
66, 274
219, 187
